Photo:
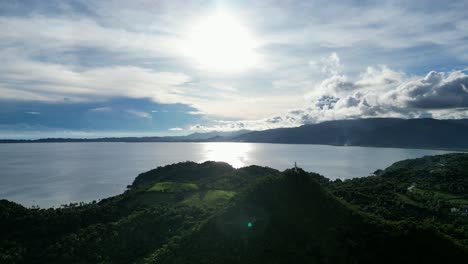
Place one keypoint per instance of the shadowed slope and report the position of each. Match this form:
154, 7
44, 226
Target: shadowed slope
292, 219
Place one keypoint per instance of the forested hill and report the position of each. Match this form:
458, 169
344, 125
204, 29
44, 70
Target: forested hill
213, 213
376, 132
290, 218
430, 192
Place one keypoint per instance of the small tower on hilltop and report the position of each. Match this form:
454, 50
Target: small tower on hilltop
295, 167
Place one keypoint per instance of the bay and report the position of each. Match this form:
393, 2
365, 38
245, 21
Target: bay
51, 174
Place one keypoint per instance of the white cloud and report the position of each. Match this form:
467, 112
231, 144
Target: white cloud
35, 80
195, 113
379, 76
330, 65
139, 114
175, 129
148, 35
71, 33
101, 109
377, 92
22, 78
384, 26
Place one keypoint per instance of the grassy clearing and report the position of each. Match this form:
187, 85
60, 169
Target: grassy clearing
459, 201
209, 199
173, 187
435, 195
408, 200
444, 196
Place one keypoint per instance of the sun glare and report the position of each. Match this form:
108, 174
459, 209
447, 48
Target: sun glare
236, 154
221, 43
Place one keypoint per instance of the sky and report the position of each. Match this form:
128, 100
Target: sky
137, 68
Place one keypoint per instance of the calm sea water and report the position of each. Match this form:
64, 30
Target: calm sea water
51, 174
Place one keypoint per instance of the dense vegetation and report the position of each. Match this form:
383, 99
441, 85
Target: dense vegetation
430, 191
213, 213
161, 204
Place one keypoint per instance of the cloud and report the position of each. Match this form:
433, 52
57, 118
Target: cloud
330, 65
32, 113
196, 113
108, 49
434, 91
36, 80
67, 34
380, 92
326, 102
377, 92
140, 114
295, 118
378, 76
175, 129
101, 109
22, 78
343, 25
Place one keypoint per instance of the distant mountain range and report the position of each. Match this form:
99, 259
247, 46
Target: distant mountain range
375, 132
194, 137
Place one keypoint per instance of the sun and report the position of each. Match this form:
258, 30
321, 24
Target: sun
220, 42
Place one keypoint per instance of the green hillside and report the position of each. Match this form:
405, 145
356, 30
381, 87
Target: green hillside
430, 191
161, 204
213, 213
291, 219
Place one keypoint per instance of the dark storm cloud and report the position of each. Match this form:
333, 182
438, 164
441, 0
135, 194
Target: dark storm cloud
326, 101
435, 91
274, 120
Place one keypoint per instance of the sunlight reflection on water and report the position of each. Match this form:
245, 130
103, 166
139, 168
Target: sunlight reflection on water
50, 174
238, 155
